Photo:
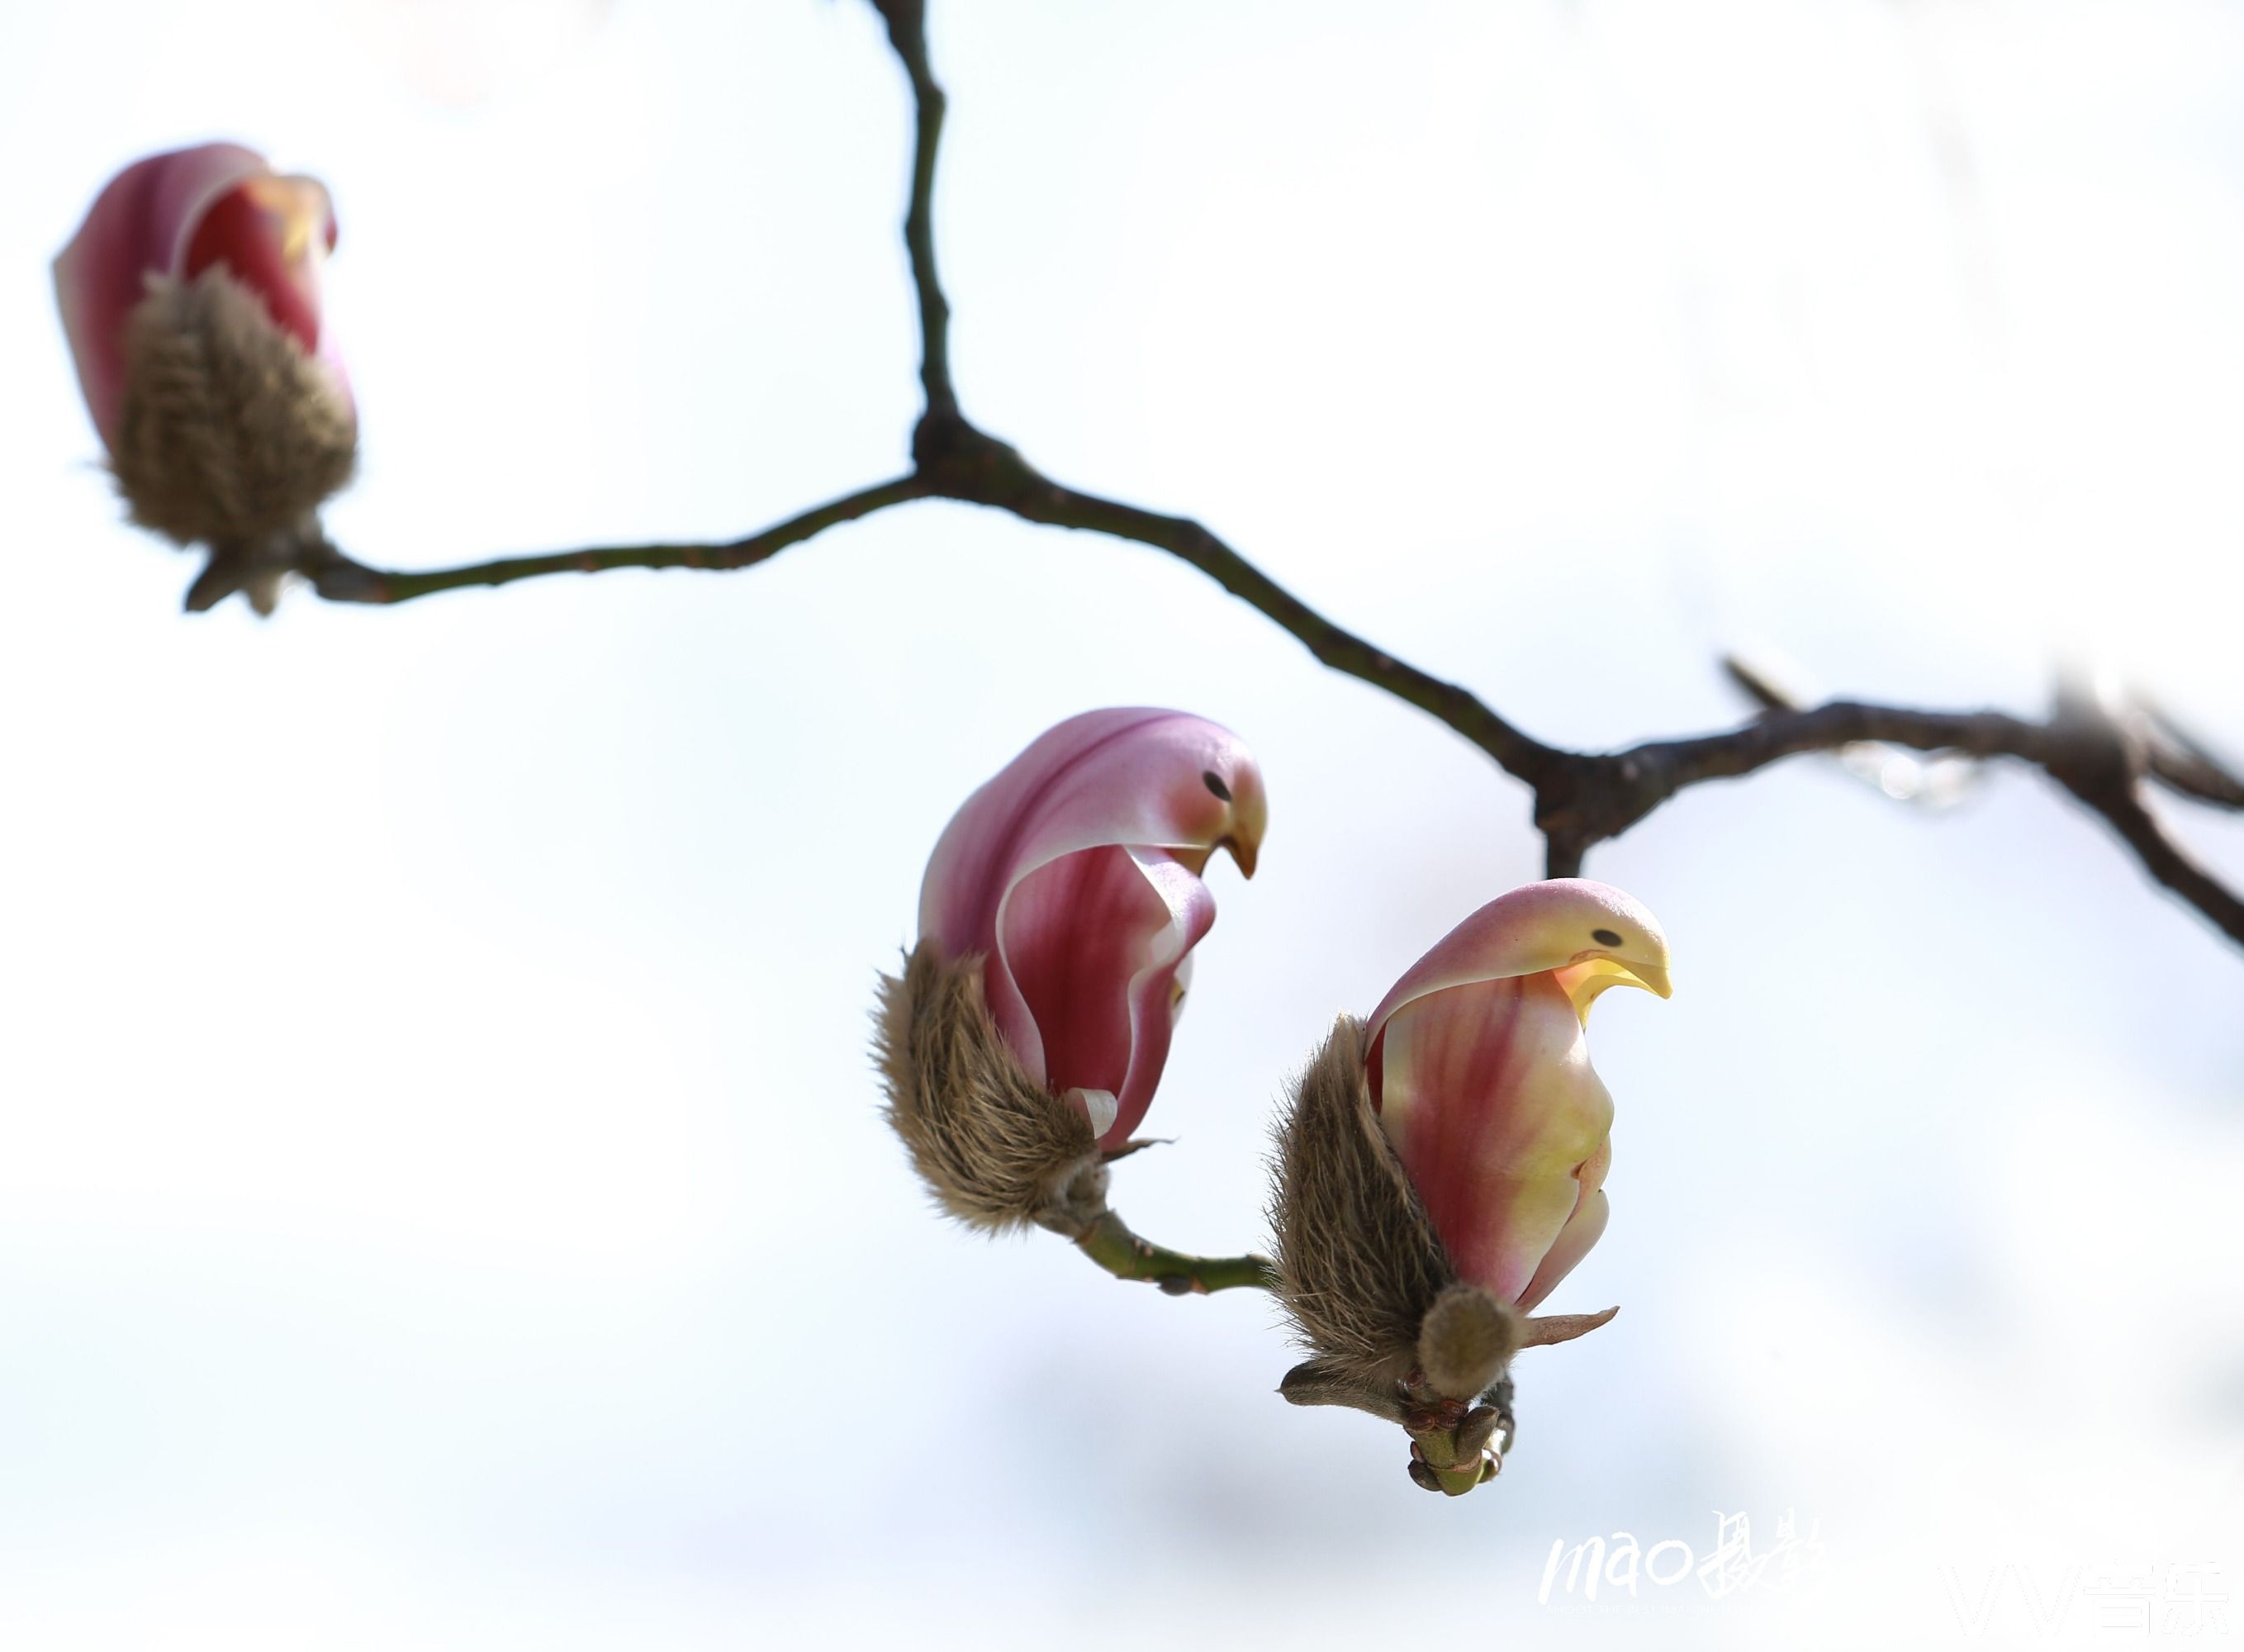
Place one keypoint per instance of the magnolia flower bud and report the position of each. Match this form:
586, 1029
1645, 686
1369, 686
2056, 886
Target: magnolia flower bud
1022, 1043
1477, 1067
191, 300
1442, 1165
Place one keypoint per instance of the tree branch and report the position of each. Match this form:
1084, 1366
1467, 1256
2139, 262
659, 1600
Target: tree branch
907, 21
2084, 748
970, 466
339, 580
2182, 763
1581, 798
2165, 860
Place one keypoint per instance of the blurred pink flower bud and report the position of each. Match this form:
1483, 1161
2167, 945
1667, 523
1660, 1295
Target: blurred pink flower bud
1480, 1073
1076, 872
191, 300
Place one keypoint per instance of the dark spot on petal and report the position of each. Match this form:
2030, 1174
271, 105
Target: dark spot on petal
1214, 783
1605, 937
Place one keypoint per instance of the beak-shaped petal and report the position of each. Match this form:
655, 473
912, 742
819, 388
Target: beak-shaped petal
1585, 980
1076, 872
1479, 1067
1652, 977
1244, 851
1535, 928
1488, 1097
138, 225
1250, 816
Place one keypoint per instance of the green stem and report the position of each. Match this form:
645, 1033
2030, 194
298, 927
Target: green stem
1109, 1242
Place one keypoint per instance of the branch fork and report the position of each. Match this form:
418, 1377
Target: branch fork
1581, 799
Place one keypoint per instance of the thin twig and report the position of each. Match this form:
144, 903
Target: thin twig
339, 580
907, 21
1333, 646
2180, 761
2083, 748
2194, 775
1581, 798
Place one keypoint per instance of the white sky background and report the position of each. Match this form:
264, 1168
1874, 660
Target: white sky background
442, 1200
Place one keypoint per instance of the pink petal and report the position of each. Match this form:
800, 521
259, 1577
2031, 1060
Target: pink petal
1075, 871
1582, 1230
138, 225
1480, 1071
1536, 927
1090, 944
1487, 1094
271, 234
1128, 775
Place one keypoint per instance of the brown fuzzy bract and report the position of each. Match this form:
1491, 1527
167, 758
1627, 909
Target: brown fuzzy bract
1359, 1264
1466, 1340
996, 1147
228, 430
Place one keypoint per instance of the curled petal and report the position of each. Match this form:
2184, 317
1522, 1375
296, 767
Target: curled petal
271, 234
139, 226
1131, 775
1486, 1091
1090, 944
1561, 923
1075, 870
1478, 1066
1582, 1230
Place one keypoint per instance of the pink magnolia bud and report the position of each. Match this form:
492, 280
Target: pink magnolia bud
191, 300
1480, 1073
1077, 873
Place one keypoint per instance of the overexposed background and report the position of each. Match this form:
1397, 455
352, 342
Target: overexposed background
442, 1198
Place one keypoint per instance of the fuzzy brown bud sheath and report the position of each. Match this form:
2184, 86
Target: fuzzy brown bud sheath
1391, 1328
1359, 1266
228, 430
997, 1149
1465, 1341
